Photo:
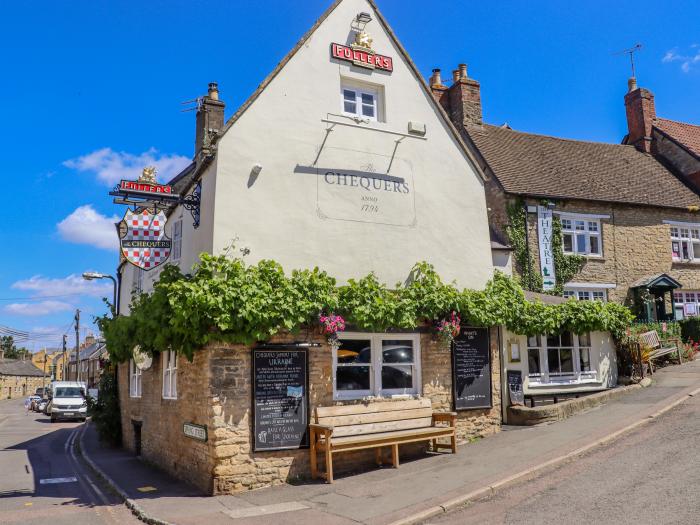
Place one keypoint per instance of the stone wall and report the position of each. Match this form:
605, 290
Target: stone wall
162, 439
636, 243
216, 390
13, 387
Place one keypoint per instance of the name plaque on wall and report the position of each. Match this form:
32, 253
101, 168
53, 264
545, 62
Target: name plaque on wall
280, 399
471, 369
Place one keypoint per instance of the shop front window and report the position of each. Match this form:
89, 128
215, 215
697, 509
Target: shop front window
687, 304
380, 365
564, 357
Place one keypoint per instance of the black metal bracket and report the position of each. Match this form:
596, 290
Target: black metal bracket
190, 202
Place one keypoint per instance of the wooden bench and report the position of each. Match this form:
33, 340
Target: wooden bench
652, 340
376, 425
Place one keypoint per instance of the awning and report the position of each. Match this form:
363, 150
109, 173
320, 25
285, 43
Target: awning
660, 280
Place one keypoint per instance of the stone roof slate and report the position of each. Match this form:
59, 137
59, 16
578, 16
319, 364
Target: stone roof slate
542, 166
686, 134
17, 367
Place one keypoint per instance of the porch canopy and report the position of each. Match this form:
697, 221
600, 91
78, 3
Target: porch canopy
653, 294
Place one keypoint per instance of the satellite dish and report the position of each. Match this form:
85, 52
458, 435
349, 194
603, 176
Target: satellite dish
142, 360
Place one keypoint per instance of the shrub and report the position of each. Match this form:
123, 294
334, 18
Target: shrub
105, 411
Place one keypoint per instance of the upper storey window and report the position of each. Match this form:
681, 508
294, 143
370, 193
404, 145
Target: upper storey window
580, 236
360, 101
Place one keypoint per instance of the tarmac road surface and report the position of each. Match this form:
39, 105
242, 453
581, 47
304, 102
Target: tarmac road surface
650, 476
42, 481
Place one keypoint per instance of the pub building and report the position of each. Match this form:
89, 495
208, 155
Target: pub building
341, 159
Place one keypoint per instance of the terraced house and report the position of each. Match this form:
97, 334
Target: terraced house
628, 210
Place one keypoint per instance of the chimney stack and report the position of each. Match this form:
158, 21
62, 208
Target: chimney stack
464, 98
209, 122
641, 114
438, 89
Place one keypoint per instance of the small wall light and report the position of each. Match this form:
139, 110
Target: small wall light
257, 168
363, 18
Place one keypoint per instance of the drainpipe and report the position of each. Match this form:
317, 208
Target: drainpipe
527, 249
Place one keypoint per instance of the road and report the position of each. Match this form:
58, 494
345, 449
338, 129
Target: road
33, 449
650, 476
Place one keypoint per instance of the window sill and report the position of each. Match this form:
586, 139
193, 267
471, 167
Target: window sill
536, 382
680, 262
169, 398
370, 398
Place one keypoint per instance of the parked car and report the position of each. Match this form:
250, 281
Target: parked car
41, 405
67, 400
32, 401
41, 391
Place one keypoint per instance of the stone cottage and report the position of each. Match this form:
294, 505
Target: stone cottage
19, 378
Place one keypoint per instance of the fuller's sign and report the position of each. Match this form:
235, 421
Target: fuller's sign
362, 57
147, 188
144, 244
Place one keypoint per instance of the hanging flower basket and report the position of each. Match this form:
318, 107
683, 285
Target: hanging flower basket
448, 329
331, 325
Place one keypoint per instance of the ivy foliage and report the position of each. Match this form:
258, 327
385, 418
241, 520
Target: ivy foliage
224, 299
565, 266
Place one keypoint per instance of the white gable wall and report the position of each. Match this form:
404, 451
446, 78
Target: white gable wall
304, 220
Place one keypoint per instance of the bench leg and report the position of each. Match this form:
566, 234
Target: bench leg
453, 442
378, 456
329, 465
312, 456
395, 455
435, 447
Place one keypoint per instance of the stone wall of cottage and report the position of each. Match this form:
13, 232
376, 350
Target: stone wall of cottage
13, 387
162, 438
636, 243
215, 390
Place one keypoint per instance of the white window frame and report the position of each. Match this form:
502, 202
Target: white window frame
578, 376
177, 240
169, 365
137, 284
569, 226
586, 294
375, 366
135, 383
681, 298
358, 91
686, 237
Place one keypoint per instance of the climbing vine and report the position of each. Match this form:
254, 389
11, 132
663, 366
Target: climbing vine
565, 266
224, 299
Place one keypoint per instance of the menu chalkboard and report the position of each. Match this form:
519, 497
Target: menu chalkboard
280, 399
515, 387
471, 369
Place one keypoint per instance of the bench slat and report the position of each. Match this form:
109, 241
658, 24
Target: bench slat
382, 406
388, 437
387, 426
651, 339
375, 417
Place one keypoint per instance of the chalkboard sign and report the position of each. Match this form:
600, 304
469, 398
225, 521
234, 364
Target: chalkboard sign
280, 399
515, 387
471, 369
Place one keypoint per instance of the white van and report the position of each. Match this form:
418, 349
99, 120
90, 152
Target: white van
67, 400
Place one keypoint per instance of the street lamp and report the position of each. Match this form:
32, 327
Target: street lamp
91, 276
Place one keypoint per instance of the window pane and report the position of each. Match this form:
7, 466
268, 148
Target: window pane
568, 242
599, 296
397, 351
533, 341
580, 226
352, 378
696, 250
567, 339
689, 297
678, 297
567, 361
533, 361
592, 226
566, 224
584, 296
595, 248
349, 95
568, 294
368, 99
552, 340
686, 249
367, 111
676, 249
397, 377
584, 339
674, 232
354, 351
553, 360
585, 357
581, 243
349, 107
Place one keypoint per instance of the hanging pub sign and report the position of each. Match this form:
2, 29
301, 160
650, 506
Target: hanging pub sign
545, 231
144, 243
361, 54
471, 369
280, 398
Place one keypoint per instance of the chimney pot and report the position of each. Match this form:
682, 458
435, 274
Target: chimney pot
436, 78
463, 71
455, 75
213, 91
631, 84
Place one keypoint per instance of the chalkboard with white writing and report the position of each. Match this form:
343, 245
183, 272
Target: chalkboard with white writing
515, 387
471, 369
280, 399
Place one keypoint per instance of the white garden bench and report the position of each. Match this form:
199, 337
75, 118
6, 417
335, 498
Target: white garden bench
652, 340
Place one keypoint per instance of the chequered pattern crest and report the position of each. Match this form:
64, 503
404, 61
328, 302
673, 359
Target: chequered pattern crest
145, 243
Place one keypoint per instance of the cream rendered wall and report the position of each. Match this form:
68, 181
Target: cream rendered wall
286, 216
603, 358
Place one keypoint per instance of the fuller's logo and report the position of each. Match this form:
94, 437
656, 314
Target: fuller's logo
361, 54
144, 244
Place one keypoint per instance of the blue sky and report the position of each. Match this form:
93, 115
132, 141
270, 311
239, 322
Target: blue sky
92, 91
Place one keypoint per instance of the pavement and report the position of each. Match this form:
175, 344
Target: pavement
420, 489
42, 479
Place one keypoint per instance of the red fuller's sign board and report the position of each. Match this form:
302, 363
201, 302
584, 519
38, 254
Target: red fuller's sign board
137, 186
144, 244
362, 56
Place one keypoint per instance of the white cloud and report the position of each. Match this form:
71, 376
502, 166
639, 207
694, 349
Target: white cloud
111, 166
73, 284
39, 308
688, 61
86, 226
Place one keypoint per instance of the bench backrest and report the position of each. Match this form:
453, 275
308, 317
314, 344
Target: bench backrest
650, 339
374, 417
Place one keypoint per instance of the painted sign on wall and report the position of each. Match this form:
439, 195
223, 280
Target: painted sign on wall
544, 232
362, 57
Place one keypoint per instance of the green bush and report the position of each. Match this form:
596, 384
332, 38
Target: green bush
105, 411
690, 329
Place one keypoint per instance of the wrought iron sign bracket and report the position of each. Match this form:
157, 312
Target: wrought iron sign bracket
163, 201
192, 203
